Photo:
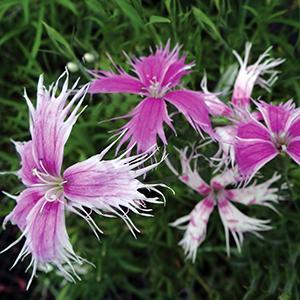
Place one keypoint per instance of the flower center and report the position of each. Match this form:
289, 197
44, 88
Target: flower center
280, 140
155, 89
54, 185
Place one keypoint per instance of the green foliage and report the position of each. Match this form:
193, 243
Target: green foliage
42, 36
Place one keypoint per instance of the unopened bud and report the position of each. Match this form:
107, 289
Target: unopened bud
88, 57
72, 67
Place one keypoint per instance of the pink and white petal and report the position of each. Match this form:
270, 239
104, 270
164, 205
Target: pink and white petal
146, 124
52, 122
192, 106
109, 186
109, 82
293, 150
28, 163
188, 175
195, 226
226, 137
258, 194
238, 223
276, 116
47, 240
25, 203
164, 67
224, 179
177, 69
217, 107
150, 68
251, 155
249, 76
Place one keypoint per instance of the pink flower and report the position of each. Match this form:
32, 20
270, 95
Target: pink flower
107, 187
258, 143
219, 193
156, 77
237, 110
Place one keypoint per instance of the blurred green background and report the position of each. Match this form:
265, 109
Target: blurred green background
42, 37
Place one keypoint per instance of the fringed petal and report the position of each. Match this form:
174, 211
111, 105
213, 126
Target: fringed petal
47, 240
254, 147
164, 67
195, 226
215, 106
224, 179
146, 124
51, 123
248, 76
28, 163
276, 116
24, 204
192, 105
188, 175
258, 194
225, 156
251, 155
109, 187
109, 82
237, 223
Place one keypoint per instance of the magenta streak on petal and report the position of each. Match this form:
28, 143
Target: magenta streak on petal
205, 207
46, 231
163, 66
52, 122
275, 117
217, 185
95, 183
253, 130
25, 202
203, 189
146, 124
294, 128
192, 106
109, 82
241, 98
252, 155
192, 220
185, 178
293, 149
27, 163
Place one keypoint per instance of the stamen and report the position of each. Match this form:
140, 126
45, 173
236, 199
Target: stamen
47, 179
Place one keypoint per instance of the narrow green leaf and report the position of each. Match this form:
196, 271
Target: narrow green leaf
204, 19
158, 19
130, 12
69, 5
60, 42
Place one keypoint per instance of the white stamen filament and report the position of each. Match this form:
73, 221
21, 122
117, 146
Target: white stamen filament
155, 89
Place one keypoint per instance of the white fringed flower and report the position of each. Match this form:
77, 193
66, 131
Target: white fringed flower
218, 193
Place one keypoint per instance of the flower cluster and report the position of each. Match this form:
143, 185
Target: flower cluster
112, 187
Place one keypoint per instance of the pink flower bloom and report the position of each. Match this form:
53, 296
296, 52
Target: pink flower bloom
103, 186
219, 193
259, 143
155, 78
247, 78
